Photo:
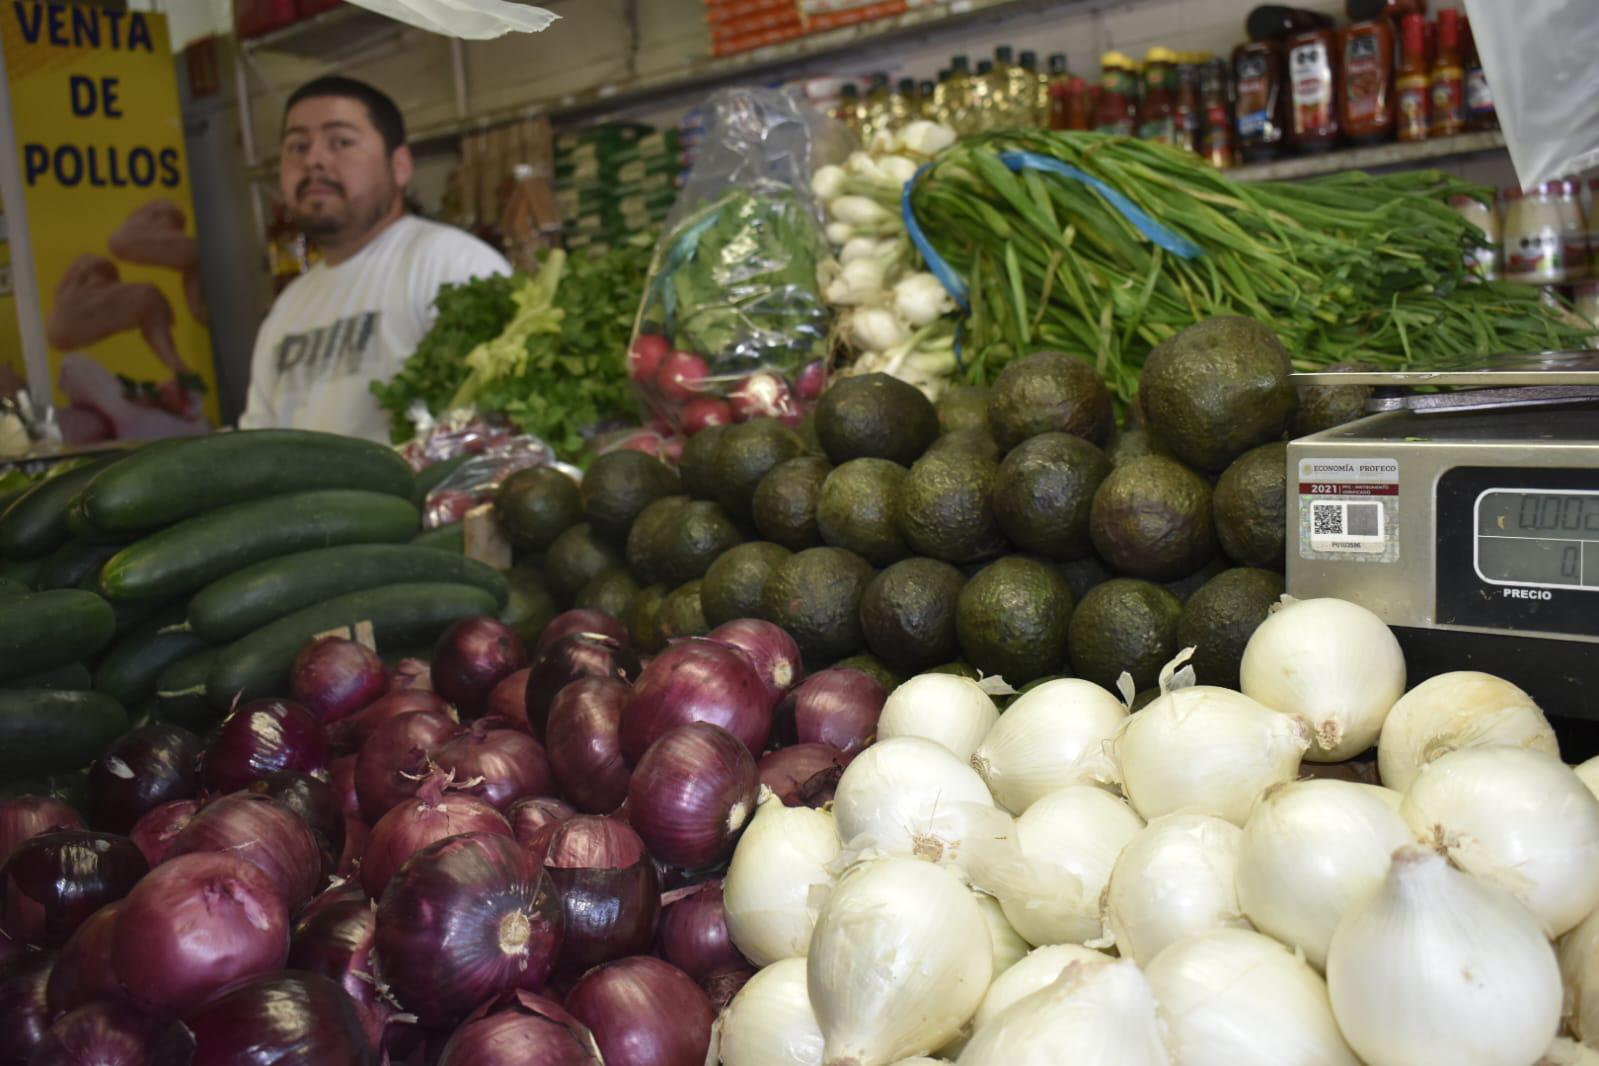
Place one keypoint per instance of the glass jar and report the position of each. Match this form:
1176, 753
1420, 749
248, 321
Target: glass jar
1483, 262
1534, 231
1573, 232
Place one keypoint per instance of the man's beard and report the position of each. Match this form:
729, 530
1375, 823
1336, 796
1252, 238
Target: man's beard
350, 217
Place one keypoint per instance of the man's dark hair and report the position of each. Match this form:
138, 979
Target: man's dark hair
380, 108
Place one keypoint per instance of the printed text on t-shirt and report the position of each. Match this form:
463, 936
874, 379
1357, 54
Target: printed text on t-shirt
329, 351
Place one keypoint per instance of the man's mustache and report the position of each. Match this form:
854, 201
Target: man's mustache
325, 183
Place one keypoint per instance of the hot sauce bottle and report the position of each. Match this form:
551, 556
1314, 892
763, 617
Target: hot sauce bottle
1410, 86
1258, 76
1218, 119
1313, 80
1157, 114
1447, 115
1117, 110
1367, 105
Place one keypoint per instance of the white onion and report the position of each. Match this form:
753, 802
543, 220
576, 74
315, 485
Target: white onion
1579, 970
828, 182
1566, 1052
1052, 736
1231, 997
944, 708
1519, 818
899, 961
1439, 967
1067, 843
1009, 947
1093, 1014
1588, 772
1309, 851
1174, 879
1206, 749
1464, 709
770, 1021
778, 879
1037, 970
1334, 662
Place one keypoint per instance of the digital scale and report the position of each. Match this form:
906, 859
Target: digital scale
1467, 517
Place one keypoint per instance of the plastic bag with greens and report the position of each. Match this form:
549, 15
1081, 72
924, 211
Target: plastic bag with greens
732, 313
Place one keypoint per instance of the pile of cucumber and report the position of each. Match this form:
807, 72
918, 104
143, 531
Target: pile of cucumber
179, 578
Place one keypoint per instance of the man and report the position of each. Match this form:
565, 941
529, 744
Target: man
356, 316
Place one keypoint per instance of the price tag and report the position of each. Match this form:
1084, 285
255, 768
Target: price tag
485, 540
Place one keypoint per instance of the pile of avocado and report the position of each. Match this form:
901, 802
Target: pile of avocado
1020, 529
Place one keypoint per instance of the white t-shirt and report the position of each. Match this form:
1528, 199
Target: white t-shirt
337, 329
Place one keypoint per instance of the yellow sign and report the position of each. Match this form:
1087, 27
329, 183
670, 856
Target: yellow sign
104, 262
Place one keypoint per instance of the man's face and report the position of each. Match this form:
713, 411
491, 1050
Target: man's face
337, 176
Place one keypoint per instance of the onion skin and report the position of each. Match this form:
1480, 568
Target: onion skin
471, 657
774, 654
411, 826
27, 816
287, 1019
532, 813
318, 806
337, 941
194, 924
142, 769
102, 1034
691, 794
584, 742
262, 832
508, 699
804, 775
644, 1012
333, 677
610, 893
54, 881
582, 620
409, 675
24, 1016
154, 833
521, 1029
82, 972
395, 758
566, 660
262, 737
348, 734
499, 766
696, 680
694, 935
837, 707
467, 917
721, 986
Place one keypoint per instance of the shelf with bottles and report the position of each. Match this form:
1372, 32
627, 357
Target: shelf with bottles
1396, 154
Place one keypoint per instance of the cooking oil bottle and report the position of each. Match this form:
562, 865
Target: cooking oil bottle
954, 97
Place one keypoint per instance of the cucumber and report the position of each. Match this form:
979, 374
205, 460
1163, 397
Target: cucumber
45, 732
73, 677
20, 571
79, 526
71, 788
450, 538
171, 484
190, 555
36, 522
180, 692
248, 599
10, 589
429, 477
43, 630
258, 665
71, 564
128, 671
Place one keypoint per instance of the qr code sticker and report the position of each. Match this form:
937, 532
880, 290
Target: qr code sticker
1328, 519
1347, 521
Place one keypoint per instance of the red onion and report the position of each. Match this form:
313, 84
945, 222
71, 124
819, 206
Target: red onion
471, 657
519, 1028
24, 1016
341, 778
721, 986
317, 805
694, 935
336, 941
336, 892
566, 660
837, 707
194, 924
410, 675
531, 814
691, 794
467, 917
155, 832
395, 758
696, 680
348, 734
334, 677
287, 1019
10, 949
804, 775
26, 816
609, 892
496, 765
356, 834
508, 699
644, 1012
262, 832
585, 743
774, 654
101, 1034
411, 826
262, 737
582, 620
54, 881
142, 769
82, 973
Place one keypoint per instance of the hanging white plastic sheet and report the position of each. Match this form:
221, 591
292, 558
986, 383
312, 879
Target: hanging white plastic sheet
1539, 56
474, 20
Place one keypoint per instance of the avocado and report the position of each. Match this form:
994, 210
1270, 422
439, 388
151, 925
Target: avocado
612, 592
1012, 619
959, 668
530, 605
1218, 389
873, 667
785, 502
1251, 507
537, 504
806, 428
1083, 574
643, 619
1049, 392
816, 596
576, 558
734, 583
650, 536
697, 465
1185, 587
1124, 624
942, 507
908, 614
681, 615
1325, 406
855, 510
744, 455
699, 533
963, 407
1218, 620
1044, 491
1134, 442
972, 441
875, 416
621, 484
1151, 518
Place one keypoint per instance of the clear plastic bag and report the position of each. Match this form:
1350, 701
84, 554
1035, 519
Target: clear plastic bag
732, 313
496, 452
1539, 59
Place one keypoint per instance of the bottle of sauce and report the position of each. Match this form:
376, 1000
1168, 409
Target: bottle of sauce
1117, 110
1258, 77
1367, 104
1483, 262
1034, 88
1157, 113
1188, 113
1313, 80
1447, 115
1218, 118
1410, 82
1573, 232
1059, 93
1365, 10
1480, 113
1534, 232
1271, 22
1082, 102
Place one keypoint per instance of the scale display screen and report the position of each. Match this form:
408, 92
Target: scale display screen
1538, 539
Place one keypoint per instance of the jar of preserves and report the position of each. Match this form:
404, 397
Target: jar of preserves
1217, 117
1261, 102
1313, 84
1573, 232
1367, 103
1483, 262
1117, 110
1534, 235
1157, 113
